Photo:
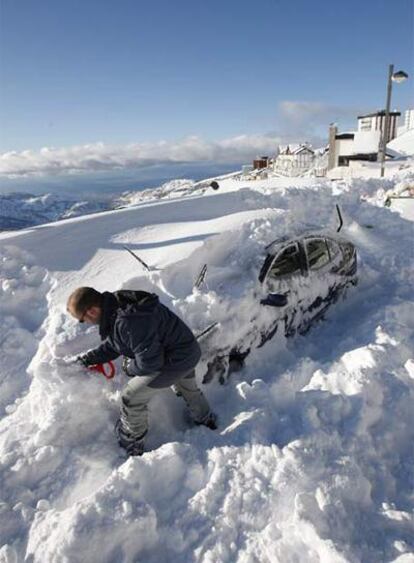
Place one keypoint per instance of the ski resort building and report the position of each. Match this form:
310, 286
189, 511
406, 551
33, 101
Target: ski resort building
376, 122
354, 147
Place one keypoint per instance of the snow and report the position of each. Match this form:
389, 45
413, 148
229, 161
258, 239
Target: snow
403, 143
313, 460
404, 206
365, 142
22, 210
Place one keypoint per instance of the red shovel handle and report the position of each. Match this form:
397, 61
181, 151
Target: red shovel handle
102, 369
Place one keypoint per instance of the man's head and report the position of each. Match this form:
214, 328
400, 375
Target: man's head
85, 304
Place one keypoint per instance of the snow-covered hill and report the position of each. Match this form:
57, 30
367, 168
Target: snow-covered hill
313, 460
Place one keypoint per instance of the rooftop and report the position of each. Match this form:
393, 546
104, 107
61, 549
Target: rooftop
379, 113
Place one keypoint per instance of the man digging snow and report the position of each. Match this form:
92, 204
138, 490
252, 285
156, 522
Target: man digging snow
159, 351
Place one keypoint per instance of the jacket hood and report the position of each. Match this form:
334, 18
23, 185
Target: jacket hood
122, 304
133, 301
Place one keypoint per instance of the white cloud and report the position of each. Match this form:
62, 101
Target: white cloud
99, 156
297, 121
310, 119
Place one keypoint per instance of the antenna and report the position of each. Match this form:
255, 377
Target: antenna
207, 330
340, 218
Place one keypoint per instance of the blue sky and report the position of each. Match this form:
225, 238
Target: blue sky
81, 71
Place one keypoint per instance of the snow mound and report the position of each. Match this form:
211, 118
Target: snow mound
174, 188
23, 306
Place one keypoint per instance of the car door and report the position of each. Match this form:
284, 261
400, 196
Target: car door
344, 260
335, 254
323, 255
318, 257
287, 275
326, 255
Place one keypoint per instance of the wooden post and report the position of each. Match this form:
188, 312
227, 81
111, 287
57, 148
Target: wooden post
333, 130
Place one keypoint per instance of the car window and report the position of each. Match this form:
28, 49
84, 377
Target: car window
286, 263
317, 252
347, 250
333, 248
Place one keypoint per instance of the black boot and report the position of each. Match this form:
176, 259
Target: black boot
133, 445
210, 421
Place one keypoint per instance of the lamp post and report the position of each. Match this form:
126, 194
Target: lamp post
398, 76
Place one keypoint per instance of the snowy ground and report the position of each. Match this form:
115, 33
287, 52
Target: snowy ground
314, 457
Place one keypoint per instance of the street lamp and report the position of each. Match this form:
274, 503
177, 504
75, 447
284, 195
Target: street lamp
398, 77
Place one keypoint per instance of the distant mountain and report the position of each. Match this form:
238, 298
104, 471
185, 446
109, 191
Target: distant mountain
23, 210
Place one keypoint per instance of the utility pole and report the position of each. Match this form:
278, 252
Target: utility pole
399, 76
385, 129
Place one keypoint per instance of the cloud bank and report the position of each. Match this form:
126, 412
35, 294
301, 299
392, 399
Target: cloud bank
296, 121
101, 156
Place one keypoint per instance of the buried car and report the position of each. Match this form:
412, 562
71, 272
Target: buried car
299, 279
245, 291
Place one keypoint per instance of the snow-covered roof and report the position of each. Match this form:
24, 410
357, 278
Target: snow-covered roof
404, 143
295, 149
304, 148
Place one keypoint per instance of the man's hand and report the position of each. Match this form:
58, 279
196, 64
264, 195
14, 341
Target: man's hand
69, 365
127, 366
75, 361
81, 360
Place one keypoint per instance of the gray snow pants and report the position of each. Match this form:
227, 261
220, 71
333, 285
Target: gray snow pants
140, 389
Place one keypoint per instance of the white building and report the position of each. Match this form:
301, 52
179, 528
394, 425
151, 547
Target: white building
349, 149
408, 122
294, 160
376, 122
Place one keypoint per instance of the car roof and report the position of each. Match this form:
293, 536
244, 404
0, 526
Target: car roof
311, 232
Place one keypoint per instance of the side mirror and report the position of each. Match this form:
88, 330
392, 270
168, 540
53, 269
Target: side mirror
275, 300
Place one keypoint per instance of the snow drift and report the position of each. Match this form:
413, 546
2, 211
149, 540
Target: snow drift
313, 459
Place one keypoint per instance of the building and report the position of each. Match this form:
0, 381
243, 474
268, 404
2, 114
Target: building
408, 123
376, 122
261, 162
294, 160
348, 149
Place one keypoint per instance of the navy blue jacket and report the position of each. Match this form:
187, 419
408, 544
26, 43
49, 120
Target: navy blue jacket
135, 324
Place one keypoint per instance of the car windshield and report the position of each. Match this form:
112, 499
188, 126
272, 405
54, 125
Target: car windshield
286, 263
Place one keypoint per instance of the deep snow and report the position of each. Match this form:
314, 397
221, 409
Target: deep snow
313, 459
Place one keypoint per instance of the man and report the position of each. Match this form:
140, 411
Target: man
159, 351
